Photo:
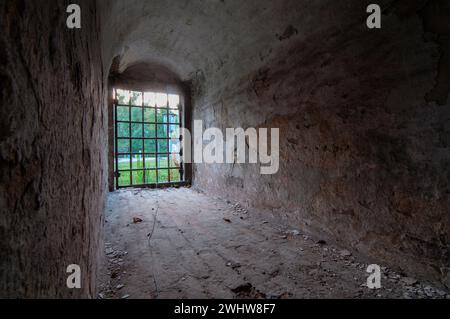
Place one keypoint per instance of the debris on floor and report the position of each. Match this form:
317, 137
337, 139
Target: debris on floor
114, 264
194, 254
294, 232
408, 281
247, 291
233, 265
345, 253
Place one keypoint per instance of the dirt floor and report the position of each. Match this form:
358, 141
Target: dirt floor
179, 243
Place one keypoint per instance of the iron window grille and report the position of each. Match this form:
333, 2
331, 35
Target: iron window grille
148, 144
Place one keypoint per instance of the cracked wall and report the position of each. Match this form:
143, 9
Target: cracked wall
53, 153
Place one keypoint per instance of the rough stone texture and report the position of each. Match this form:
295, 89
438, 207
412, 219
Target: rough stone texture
53, 154
364, 138
363, 113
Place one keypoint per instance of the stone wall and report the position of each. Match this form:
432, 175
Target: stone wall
52, 149
364, 121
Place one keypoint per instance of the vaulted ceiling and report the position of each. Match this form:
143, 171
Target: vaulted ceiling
188, 36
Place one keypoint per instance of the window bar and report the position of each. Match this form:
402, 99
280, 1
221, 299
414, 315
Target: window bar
181, 168
143, 143
146, 138
150, 169
131, 141
168, 135
156, 142
134, 122
117, 172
